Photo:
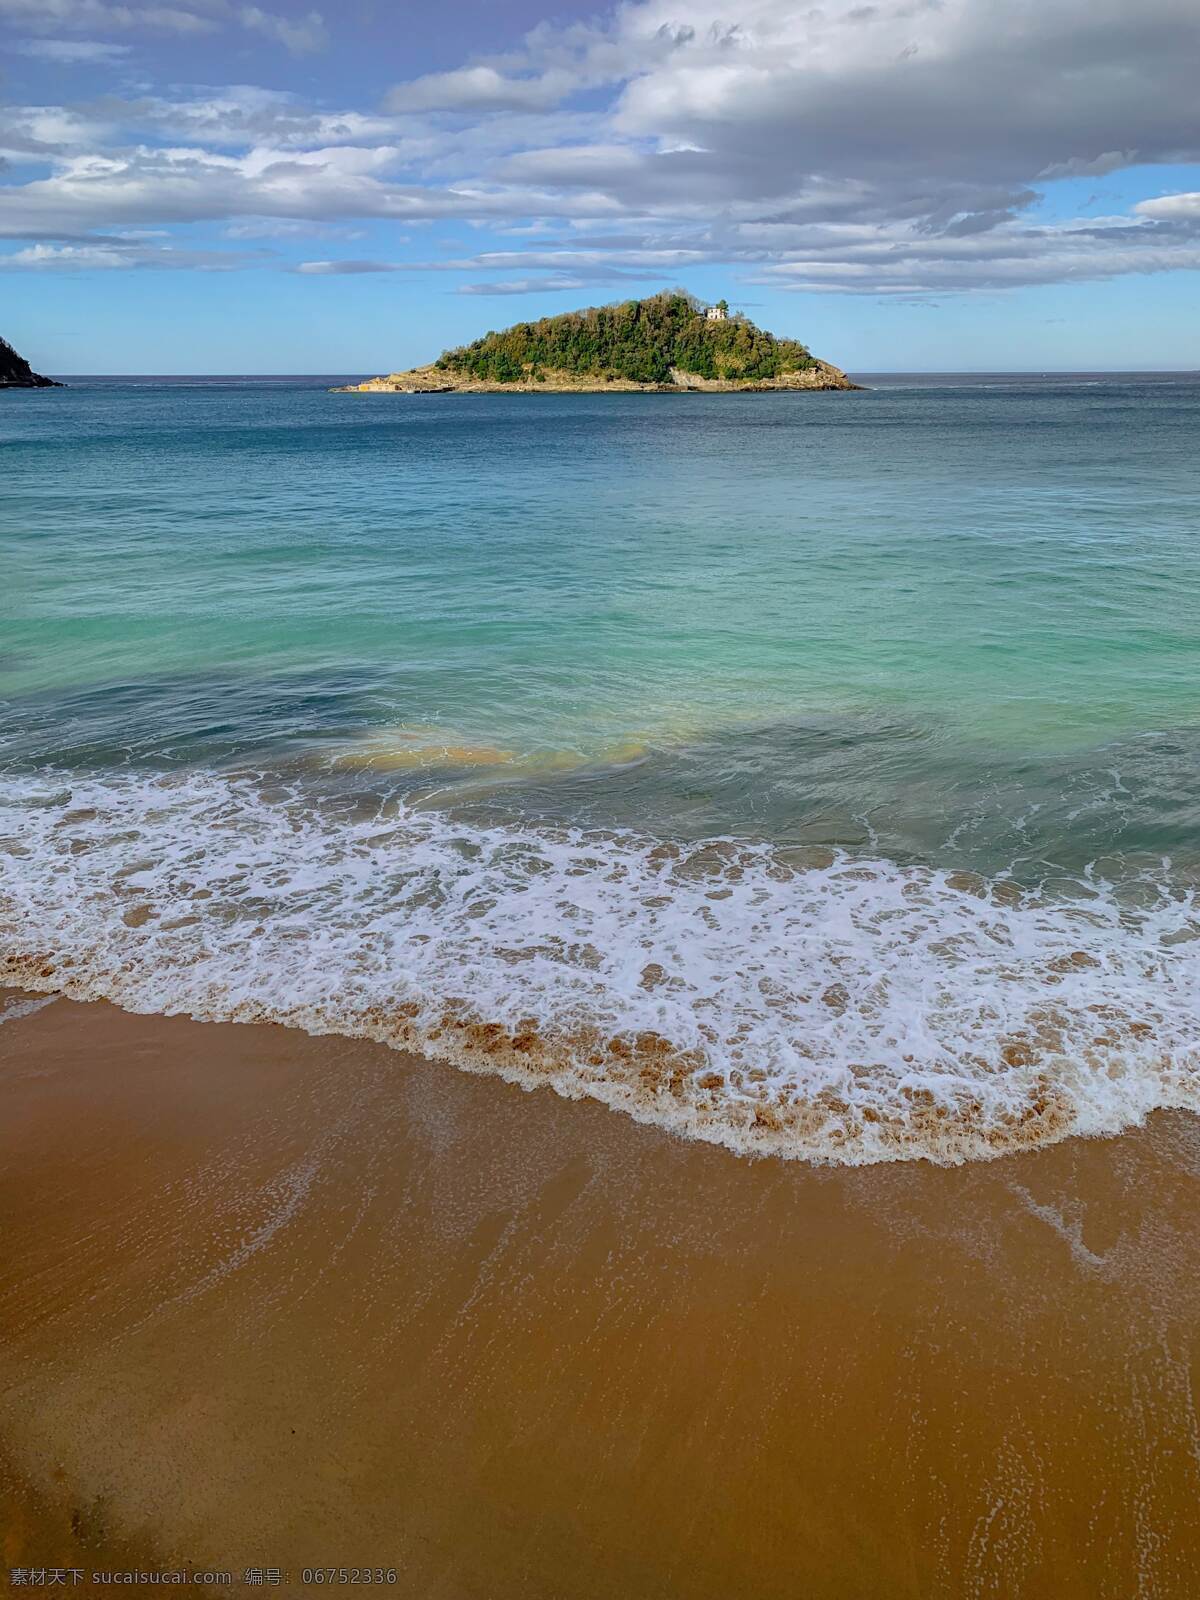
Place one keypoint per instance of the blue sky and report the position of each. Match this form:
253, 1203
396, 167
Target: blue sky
205, 185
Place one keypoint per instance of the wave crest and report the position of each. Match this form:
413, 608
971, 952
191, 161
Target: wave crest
806, 1004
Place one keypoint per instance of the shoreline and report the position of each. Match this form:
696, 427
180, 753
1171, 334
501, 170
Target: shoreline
821, 377
713, 989
275, 1300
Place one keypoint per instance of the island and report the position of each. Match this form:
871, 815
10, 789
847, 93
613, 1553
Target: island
669, 343
16, 373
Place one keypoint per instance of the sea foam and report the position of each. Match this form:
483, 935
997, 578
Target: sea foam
819, 1006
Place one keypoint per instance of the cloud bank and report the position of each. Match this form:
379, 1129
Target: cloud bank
884, 149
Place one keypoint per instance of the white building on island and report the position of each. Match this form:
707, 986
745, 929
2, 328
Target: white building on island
717, 313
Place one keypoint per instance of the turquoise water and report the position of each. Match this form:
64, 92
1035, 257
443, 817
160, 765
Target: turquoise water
926, 630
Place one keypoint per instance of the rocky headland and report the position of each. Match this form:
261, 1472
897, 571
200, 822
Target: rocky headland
16, 373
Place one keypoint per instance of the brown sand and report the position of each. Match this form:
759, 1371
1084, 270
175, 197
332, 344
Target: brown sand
268, 1300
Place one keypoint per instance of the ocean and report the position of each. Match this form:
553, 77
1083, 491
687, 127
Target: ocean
811, 773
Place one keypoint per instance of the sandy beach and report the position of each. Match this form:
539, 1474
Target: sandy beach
599, 996
275, 1301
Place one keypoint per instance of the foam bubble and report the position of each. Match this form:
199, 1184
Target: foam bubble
817, 1006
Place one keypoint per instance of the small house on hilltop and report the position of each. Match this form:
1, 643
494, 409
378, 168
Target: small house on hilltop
717, 313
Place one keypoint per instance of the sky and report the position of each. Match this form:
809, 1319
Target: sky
908, 185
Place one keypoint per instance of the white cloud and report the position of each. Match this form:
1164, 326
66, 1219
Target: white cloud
346, 269
292, 228
526, 286
569, 165
71, 52
1090, 166
299, 34
43, 257
241, 115
302, 35
1171, 208
178, 184
43, 132
120, 253
51, 16
480, 88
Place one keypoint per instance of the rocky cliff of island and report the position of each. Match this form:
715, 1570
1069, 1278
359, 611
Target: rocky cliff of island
667, 343
16, 373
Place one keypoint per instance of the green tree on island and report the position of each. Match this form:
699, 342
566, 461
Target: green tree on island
639, 341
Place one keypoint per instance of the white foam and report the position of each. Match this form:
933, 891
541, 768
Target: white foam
16, 1010
848, 1010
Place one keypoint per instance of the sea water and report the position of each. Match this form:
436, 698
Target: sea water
815, 773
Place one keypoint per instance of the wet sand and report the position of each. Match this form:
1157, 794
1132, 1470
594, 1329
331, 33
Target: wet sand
269, 1300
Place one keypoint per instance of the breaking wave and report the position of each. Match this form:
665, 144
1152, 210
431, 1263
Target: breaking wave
802, 1003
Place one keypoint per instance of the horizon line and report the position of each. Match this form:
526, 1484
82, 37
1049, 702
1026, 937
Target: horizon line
881, 372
